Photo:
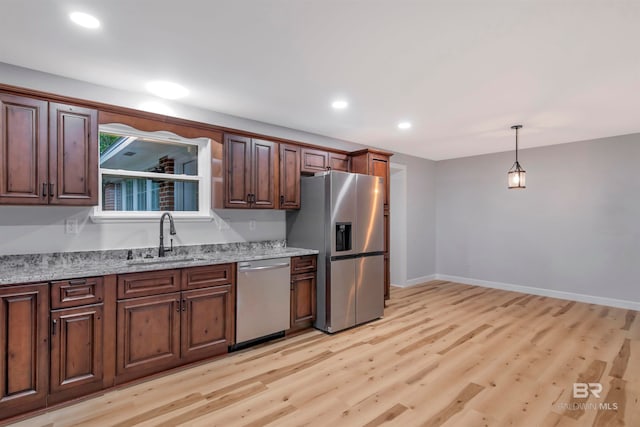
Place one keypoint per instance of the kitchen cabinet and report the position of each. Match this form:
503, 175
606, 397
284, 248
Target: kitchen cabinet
77, 343
289, 177
24, 344
303, 292
176, 316
315, 160
50, 153
339, 162
76, 351
148, 337
249, 173
73, 155
207, 322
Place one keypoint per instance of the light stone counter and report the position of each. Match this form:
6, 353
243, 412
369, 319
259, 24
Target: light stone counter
17, 269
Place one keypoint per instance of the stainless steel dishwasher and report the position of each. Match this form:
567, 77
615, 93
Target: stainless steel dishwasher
263, 299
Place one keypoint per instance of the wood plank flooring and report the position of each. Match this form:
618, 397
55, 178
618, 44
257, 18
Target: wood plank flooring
445, 354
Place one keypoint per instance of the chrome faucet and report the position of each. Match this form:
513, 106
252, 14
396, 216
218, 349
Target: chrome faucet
172, 231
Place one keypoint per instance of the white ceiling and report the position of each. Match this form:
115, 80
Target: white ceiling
461, 71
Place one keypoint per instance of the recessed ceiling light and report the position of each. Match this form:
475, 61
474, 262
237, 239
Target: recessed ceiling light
404, 125
339, 104
85, 20
168, 90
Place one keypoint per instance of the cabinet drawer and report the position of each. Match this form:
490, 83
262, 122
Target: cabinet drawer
207, 276
76, 292
134, 285
303, 264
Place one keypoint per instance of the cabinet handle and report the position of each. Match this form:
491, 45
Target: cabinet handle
51, 190
248, 197
178, 304
281, 200
184, 305
44, 189
54, 326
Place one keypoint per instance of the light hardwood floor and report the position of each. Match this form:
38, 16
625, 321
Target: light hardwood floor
444, 354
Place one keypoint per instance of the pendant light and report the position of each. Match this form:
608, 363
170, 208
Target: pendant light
516, 174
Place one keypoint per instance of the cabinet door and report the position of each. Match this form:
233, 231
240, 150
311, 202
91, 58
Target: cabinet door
23, 150
339, 162
207, 322
303, 300
263, 161
24, 348
73, 155
76, 350
289, 177
237, 171
379, 166
314, 160
148, 335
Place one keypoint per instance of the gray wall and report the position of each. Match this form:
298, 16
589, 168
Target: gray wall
421, 216
575, 228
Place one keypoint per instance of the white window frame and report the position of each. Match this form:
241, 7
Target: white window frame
203, 178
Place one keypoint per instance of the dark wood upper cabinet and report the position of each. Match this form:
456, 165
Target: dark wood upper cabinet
47, 158
73, 155
23, 150
24, 348
263, 162
339, 162
249, 173
314, 160
289, 177
237, 171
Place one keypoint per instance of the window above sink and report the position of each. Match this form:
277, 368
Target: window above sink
143, 174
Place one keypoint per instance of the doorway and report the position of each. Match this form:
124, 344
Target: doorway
398, 224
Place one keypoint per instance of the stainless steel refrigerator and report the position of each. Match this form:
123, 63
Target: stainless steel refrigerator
341, 216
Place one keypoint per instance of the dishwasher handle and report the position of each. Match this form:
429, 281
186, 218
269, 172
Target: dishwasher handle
265, 267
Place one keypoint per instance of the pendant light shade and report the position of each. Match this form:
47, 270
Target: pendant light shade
516, 175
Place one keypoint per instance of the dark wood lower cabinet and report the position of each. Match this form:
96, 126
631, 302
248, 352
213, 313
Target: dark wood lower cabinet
24, 348
76, 351
207, 329
303, 300
148, 335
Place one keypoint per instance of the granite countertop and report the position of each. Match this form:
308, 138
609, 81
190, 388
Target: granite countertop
16, 269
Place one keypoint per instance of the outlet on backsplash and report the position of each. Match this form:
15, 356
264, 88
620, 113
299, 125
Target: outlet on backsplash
71, 226
252, 224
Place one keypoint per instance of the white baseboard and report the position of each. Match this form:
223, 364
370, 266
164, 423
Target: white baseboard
416, 281
591, 299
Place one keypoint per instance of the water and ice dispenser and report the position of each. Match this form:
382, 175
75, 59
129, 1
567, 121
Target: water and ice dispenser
343, 236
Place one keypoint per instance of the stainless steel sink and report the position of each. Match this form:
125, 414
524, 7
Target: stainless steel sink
152, 261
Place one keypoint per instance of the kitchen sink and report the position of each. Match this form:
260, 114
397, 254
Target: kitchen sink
152, 261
